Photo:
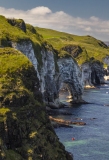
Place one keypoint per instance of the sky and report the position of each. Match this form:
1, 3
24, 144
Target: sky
80, 17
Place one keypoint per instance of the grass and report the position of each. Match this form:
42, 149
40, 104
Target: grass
10, 33
15, 72
91, 47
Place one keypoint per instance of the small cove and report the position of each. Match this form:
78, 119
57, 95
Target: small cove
92, 140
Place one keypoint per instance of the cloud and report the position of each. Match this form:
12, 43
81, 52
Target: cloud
40, 10
43, 17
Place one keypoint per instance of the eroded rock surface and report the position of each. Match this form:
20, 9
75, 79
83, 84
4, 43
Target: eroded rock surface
70, 74
93, 73
53, 73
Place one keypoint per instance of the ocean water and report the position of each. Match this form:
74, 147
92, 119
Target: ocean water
91, 140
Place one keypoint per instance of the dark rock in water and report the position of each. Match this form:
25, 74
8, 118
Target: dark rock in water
61, 121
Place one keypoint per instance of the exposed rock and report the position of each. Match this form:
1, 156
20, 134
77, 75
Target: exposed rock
70, 74
25, 129
74, 50
86, 71
97, 74
27, 49
106, 61
93, 73
61, 121
54, 73
17, 23
48, 78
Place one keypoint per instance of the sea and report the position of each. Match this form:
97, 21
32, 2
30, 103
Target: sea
90, 141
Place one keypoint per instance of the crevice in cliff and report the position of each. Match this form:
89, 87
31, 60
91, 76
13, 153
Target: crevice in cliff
94, 78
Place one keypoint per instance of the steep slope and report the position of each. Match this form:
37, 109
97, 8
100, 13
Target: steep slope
25, 130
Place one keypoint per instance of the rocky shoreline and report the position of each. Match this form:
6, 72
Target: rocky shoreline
65, 123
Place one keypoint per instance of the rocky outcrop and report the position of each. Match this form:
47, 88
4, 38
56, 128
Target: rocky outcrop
74, 50
106, 61
97, 74
54, 73
18, 23
70, 74
27, 49
86, 72
49, 78
25, 129
93, 73
106, 70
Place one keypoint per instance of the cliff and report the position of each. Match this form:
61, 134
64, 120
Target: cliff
46, 61
25, 130
93, 72
25, 87
90, 53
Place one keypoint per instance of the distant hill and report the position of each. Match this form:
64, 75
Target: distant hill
82, 48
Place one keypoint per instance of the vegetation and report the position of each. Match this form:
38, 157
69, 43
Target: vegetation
15, 83
15, 30
90, 47
25, 130
11, 31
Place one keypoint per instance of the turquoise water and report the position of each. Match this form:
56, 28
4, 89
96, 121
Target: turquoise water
92, 140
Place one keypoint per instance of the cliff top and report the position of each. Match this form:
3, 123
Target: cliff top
82, 48
90, 46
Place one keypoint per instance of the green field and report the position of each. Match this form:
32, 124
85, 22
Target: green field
91, 47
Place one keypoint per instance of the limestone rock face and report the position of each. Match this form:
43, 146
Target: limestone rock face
27, 49
86, 72
106, 60
71, 75
48, 77
47, 73
97, 74
53, 73
93, 73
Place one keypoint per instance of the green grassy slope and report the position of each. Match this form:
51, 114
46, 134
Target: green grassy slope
90, 46
15, 82
13, 33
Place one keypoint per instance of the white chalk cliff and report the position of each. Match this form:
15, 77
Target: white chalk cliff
53, 73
